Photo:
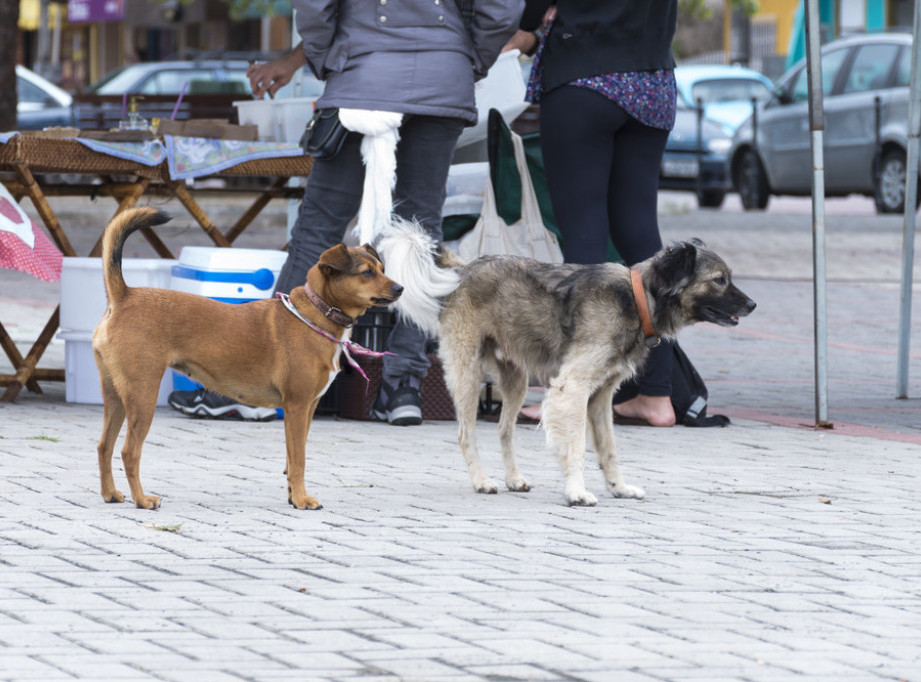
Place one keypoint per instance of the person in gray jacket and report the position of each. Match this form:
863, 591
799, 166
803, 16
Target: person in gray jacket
419, 58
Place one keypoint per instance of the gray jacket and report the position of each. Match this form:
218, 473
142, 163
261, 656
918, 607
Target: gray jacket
408, 56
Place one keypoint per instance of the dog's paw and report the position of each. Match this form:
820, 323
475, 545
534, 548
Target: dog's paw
581, 499
631, 491
486, 486
147, 502
518, 484
114, 496
305, 502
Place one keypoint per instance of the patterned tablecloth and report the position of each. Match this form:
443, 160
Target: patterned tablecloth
187, 157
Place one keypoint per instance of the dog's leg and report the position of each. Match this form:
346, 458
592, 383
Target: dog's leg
140, 407
463, 375
564, 412
112, 420
601, 423
297, 425
513, 386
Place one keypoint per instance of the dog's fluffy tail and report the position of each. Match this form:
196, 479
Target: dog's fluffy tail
113, 241
410, 256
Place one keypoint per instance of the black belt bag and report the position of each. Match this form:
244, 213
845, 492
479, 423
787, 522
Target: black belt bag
324, 135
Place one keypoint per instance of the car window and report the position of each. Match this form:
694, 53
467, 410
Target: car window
116, 82
730, 90
903, 68
31, 93
171, 81
870, 68
831, 64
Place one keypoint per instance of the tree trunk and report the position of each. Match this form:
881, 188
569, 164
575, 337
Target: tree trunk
9, 35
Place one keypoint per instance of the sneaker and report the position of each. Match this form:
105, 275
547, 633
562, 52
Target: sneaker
402, 405
207, 405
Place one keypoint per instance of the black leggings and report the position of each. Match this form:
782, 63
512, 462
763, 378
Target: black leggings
602, 170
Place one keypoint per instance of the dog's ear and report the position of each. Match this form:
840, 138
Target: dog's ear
673, 269
335, 259
370, 249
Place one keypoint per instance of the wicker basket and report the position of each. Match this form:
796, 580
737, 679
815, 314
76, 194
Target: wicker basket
50, 155
356, 397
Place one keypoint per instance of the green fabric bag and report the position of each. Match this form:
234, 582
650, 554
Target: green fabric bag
507, 183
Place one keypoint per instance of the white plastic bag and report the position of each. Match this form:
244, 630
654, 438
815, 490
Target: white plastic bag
528, 237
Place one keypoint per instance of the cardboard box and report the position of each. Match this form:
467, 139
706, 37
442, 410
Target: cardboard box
217, 129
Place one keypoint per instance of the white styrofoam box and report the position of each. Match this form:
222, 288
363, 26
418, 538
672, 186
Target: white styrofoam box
260, 113
468, 178
83, 294
232, 275
503, 89
292, 116
81, 376
465, 188
463, 204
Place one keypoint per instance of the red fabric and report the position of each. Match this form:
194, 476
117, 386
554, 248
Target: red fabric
43, 261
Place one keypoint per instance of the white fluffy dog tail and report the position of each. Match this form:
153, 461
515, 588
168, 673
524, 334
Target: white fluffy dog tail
378, 150
409, 253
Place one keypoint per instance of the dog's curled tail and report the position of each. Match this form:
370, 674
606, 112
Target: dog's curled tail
411, 258
113, 241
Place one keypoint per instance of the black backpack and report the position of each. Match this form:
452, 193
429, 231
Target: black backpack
689, 394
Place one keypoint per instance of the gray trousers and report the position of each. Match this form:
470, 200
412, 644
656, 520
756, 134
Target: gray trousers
331, 200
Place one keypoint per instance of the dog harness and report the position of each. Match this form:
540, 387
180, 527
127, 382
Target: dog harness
639, 295
348, 346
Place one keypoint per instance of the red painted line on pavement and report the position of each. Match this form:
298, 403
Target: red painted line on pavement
840, 428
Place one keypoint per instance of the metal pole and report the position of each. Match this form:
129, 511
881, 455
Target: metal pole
911, 201
816, 131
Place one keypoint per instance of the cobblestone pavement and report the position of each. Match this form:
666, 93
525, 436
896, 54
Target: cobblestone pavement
764, 551
761, 553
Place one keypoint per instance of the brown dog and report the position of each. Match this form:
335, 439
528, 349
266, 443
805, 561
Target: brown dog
259, 353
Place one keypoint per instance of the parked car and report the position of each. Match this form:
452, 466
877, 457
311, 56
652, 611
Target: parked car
865, 86
211, 86
725, 92
695, 158
42, 104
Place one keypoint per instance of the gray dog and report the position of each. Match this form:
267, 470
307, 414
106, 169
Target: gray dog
581, 330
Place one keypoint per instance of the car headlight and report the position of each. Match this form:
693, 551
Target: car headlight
719, 145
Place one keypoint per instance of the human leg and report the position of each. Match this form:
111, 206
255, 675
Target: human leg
424, 156
634, 229
331, 199
577, 128
602, 170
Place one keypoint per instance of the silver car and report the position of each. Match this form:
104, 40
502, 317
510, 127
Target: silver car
865, 86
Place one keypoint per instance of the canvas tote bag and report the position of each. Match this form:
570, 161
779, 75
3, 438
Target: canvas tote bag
528, 237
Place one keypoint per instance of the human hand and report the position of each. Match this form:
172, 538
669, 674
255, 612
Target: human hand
272, 76
523, 41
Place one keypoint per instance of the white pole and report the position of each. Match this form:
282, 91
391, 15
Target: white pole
816, 131
911, 201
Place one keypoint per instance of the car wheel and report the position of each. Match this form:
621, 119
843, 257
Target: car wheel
710, 198
889, 190
751, 182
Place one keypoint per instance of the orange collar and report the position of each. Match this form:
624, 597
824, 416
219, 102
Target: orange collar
639, 295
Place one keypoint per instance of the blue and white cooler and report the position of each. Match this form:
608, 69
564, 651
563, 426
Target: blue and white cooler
229, 275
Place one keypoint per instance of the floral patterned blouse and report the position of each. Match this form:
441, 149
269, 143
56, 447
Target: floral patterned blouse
648, 96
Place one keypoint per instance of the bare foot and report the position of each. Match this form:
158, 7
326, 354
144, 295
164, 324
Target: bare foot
532, 411
656, 410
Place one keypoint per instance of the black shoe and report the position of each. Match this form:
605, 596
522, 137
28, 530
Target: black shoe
207, 405
402, 406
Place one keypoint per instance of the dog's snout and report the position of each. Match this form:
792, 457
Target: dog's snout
396, 290
750, 305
